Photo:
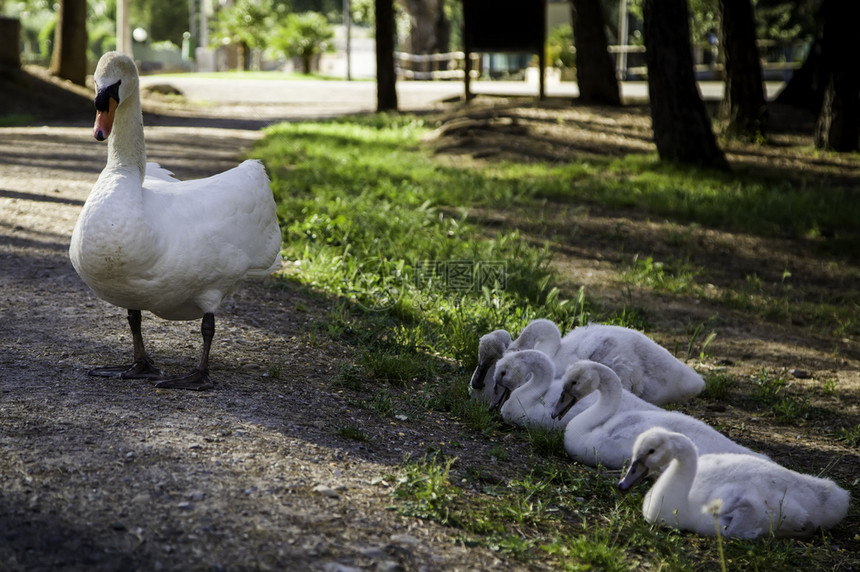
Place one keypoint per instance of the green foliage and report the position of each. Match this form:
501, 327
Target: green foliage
769, 389
780, 20
304, 36
164, 21
718, 385
786, 21
560, 51
363, 12
246, 22
426, 490
697, 331
46, 39
396, 366
547, 442
677, 277
773, 392
849, 435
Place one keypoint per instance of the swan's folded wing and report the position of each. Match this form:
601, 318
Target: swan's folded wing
224, 225
156, 171
739, 517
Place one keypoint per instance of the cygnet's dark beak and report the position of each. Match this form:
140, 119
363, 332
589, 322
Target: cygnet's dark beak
500, 400
477, 381
637, 471
566, 401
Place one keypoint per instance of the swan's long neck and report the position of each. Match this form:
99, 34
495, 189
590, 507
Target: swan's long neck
609, 400
539, 335
670, 495
126, 148
533, 391
542, 373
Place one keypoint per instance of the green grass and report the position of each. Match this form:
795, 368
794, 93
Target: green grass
718, 385
576, 520
757, 203
15, 119
373, 219
352, 432
369, 218
675, 278
849, 435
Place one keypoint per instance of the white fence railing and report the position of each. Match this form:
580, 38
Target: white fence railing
451, 65
445, 66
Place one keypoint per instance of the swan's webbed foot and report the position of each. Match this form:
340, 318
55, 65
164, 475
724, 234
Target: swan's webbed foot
195, 380
141, 369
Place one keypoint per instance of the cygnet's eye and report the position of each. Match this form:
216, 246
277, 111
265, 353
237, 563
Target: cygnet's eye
502, 373
650, 451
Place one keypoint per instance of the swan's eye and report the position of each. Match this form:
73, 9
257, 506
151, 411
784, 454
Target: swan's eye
502, 374
650, 451
106, 93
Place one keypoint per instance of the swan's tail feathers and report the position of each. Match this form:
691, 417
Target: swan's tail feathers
834, 504
262, 203
256, 170
276, 265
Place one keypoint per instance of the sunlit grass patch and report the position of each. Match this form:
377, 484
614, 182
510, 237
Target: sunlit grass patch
366, 217
675, 277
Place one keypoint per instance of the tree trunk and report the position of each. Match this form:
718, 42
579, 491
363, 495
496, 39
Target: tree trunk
386, 80
10, 42
595, 70
805, 89
682, 129
744, 102
838, 125
69, 60
429, 28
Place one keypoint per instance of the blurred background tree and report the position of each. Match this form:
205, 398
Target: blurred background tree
304, 36
560, 52
247, 24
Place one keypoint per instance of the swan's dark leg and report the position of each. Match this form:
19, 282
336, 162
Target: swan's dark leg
143, 366
197, 379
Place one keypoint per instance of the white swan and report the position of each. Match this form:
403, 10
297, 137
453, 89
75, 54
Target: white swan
604, 433
145, 241
646, 368
748, 496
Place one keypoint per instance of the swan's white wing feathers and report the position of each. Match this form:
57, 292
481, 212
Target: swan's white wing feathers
645, 368
156, 171
761, 497
212, 232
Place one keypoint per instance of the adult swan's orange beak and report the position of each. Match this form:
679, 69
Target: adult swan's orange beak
106, 101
